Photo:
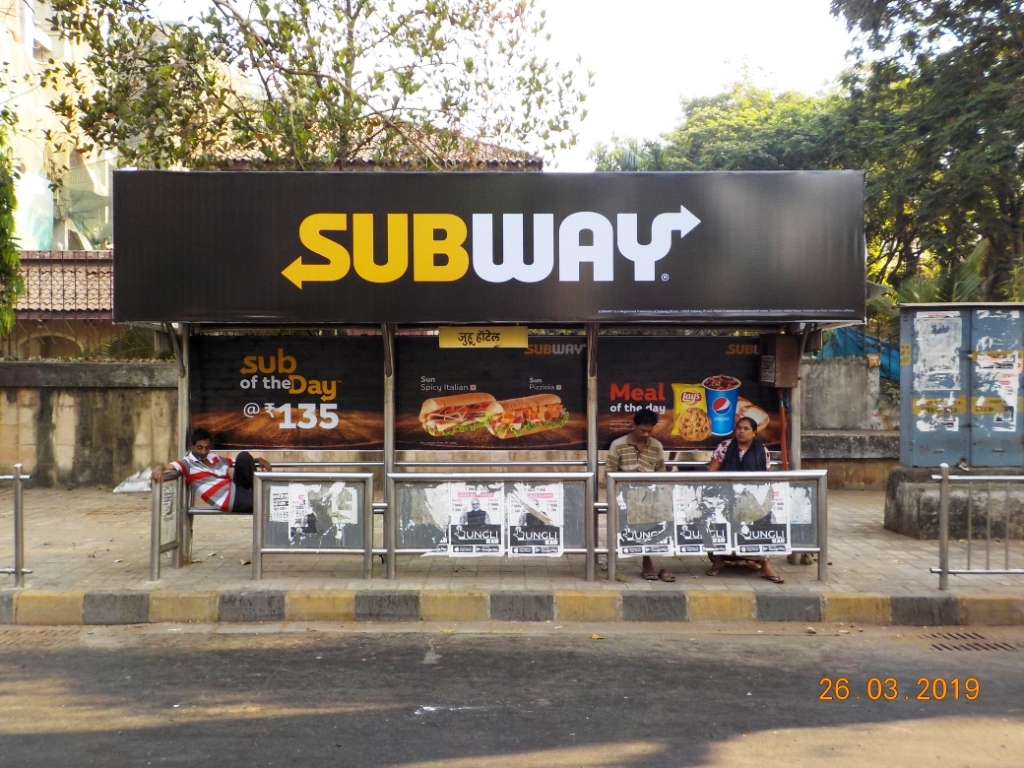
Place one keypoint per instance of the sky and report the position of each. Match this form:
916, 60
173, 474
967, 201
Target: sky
648, 55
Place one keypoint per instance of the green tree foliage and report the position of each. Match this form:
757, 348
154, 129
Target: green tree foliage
957, 70
11, 283
312, 84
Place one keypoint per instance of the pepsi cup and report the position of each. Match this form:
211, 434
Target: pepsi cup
721, 393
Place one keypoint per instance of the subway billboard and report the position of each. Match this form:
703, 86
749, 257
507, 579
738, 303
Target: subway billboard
281, 247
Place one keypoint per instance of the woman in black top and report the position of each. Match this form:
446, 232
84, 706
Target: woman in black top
742, 453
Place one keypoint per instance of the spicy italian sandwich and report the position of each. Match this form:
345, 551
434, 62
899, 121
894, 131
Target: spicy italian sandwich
526, 415
455, 413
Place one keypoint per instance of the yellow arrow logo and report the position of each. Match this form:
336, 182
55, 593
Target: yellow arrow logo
339, 260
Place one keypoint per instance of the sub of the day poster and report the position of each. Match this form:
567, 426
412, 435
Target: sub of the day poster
476, 518
535, 515
288, 392
491, 399
700, 519
645, 524
761, 519
698, 387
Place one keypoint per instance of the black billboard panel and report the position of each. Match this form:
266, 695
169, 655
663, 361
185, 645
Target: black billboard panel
283, 247
288, 392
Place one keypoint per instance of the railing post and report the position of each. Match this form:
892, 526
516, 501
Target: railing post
944, 529
19, 530
156, 509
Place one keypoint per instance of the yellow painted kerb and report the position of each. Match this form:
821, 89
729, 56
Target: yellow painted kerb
442, 605
588, 606
49, 608
183, 607
320, 605
719, 606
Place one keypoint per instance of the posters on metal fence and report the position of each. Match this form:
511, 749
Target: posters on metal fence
475, 519
760, 517
645, 519
491, 399
702, 525
698, 387
288, 392
314, 516
698, 518
536, 516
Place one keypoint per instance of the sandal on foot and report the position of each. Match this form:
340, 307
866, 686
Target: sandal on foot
714, 571
774, 578
649, 575
666, 575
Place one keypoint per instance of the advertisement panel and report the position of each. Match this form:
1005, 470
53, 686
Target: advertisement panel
697, 386
289, 392
755, 247
491, 399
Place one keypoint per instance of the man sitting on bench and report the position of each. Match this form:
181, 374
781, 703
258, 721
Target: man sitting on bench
222, 483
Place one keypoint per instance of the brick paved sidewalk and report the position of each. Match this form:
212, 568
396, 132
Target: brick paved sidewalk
91, 540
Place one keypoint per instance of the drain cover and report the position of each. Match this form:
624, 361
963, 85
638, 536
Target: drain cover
967, 641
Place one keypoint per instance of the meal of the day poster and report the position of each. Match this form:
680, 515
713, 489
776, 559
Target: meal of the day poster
698, 387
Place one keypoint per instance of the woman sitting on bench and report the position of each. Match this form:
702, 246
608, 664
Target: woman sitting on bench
222, 483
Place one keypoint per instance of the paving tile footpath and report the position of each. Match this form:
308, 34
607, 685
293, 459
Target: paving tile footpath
88, 550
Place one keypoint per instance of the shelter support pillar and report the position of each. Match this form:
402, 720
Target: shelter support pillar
391, 511
590, 495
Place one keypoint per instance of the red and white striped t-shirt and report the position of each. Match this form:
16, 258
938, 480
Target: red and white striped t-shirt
210, 480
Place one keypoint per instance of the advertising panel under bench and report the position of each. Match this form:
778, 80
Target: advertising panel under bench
491, 399
287, 392
697, 386
277, 248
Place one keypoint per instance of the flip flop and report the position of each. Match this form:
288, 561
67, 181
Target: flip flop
774, 578
714, 571
649, 575
665, 575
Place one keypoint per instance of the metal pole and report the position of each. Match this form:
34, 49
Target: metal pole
257, 527
612, 526
391, 513
823, 529
156, 499
182, 520
589, 497
944, 529
795, 413
19, 530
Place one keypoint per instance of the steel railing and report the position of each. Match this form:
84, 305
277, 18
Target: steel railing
945, 486
19, 569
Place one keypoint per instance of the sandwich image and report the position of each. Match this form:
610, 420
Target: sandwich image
526, 415
455, 414
746, 408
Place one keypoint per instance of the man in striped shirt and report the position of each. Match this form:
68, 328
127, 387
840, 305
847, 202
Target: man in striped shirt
637, 451
220, 482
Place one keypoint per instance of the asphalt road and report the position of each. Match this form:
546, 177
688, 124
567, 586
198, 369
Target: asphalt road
497, 695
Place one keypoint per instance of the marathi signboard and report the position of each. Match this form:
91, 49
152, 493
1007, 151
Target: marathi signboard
276, 248
289, 392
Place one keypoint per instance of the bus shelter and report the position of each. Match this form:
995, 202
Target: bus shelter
429, 333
